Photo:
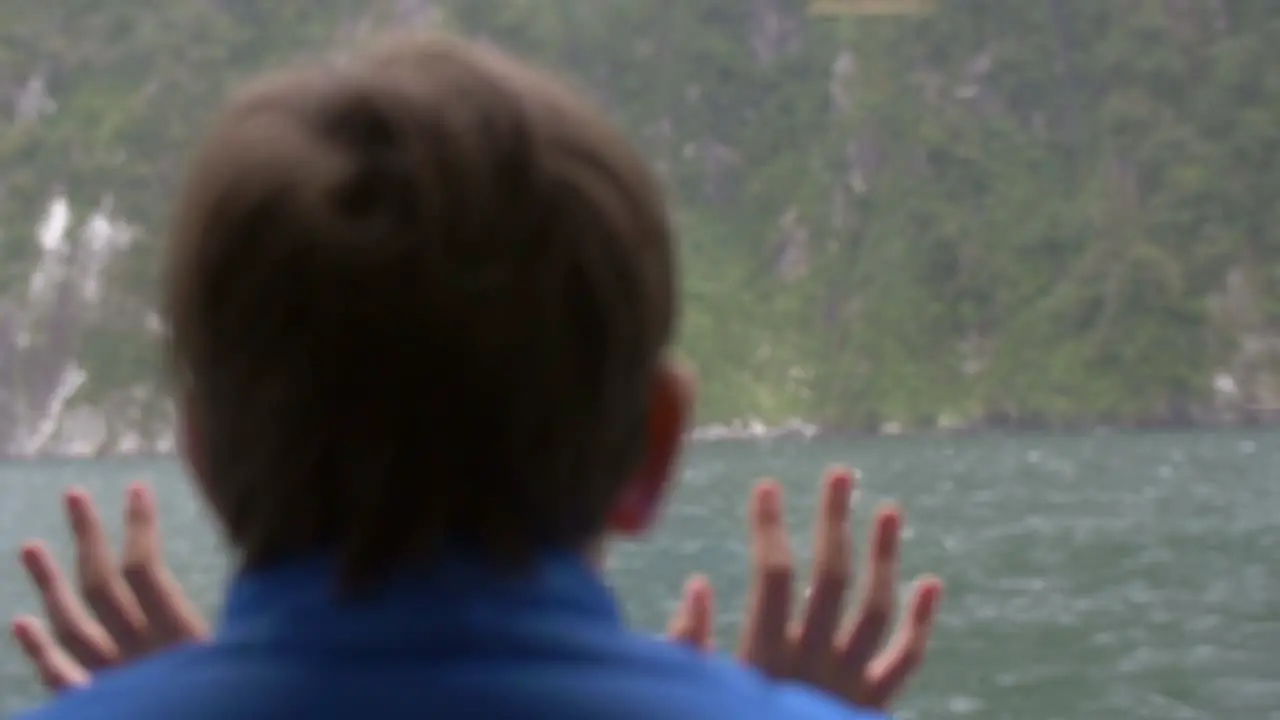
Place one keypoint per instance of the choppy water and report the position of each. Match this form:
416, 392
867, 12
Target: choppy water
1099, 578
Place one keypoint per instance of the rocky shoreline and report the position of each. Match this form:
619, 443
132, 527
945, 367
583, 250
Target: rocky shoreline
755, 429
749, 429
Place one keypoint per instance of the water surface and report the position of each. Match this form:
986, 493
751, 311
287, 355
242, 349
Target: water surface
1088, 578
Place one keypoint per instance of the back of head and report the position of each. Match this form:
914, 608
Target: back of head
416, 299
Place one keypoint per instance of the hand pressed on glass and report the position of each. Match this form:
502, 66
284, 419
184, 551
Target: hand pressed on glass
846, 658
130, 609
123, 611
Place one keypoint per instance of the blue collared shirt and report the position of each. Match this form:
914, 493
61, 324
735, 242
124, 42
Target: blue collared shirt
456, 642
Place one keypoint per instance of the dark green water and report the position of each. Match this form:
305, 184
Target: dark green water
1099, 578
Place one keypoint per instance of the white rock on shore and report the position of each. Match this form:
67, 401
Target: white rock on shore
753, 429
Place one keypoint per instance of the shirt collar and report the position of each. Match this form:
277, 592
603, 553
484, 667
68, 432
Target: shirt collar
297, 601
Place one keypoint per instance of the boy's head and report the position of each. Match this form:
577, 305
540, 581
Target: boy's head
418, 299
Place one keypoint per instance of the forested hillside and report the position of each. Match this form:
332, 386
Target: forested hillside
1005, 212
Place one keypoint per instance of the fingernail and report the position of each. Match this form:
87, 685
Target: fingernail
137, 499
692, 586
888, 529
29, 558
890, 519
930, 596
76, 500
78, 508
770, 501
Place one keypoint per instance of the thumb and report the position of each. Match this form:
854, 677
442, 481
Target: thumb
691, 623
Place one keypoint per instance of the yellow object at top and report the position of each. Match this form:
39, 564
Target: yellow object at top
850, 8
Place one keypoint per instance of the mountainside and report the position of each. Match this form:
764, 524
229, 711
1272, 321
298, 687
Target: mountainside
1045, 213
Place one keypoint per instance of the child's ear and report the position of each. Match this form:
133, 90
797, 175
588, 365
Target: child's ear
670, 409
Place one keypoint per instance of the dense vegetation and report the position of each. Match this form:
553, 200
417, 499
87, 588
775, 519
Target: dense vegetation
1032, 211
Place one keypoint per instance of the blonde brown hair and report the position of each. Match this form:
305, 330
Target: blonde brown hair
418, 298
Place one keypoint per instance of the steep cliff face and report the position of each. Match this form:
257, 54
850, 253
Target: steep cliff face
1005, 213
44, 324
